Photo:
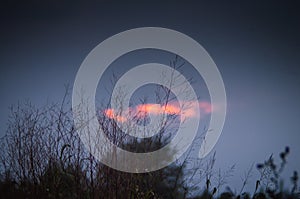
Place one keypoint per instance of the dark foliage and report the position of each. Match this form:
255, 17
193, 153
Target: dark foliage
42, 157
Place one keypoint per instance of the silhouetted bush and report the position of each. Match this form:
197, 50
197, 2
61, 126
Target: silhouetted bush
43, 157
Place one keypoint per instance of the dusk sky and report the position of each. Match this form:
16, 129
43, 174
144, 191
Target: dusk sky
255, 45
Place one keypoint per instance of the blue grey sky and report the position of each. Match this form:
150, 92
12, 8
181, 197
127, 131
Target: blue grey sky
255, 45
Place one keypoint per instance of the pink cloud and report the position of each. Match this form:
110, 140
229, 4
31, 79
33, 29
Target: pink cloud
140, 111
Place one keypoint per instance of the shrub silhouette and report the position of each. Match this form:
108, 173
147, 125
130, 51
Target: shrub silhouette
43, 157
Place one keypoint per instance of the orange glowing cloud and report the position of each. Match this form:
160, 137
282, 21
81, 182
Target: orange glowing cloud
110, 113
141, 111
158, 109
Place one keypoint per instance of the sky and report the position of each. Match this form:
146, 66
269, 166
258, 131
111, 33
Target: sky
255, 45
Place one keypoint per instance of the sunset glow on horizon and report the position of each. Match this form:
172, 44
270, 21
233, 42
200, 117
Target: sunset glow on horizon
141, 111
